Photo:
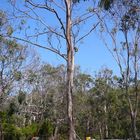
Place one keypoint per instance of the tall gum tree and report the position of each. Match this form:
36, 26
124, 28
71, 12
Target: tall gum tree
124, 31
61, 25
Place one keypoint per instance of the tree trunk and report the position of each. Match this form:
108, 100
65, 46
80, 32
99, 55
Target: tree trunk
100, 131
134, 114
106, 121
87, 133
55, 136
70, 71
134, 128
133, 111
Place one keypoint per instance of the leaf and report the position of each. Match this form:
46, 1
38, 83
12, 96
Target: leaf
106, 4
23, 22
21, 97
18, 75
9, 30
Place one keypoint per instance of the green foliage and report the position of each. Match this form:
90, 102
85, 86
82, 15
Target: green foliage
23, 22
63, 131
3, 117
131, 18
12, 109
30, 130
21, 97
46, 129
32, 76
77, 1
11, 131
9, 30
17, 75
98, 102
106, 4
2, 18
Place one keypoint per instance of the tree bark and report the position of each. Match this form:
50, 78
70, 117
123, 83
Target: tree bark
100, 131
134, 115
134, 127
69, 101
70, 72
106, 121
55, 135
133, 109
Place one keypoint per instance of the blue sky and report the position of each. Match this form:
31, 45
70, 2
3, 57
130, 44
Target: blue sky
92, 54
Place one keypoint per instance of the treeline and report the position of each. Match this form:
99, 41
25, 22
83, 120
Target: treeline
33, 100
61, 102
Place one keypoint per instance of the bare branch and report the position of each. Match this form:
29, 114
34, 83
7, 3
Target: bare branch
52, 11
38, 18
58, 5
117, 58
43, 47
89, 32
83, 17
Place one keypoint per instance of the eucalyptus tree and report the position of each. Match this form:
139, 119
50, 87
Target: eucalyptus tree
82, 84
56, 26
124, 31
45, 99
12, 58
100, 91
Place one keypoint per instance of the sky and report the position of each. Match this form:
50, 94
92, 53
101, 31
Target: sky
92, 54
